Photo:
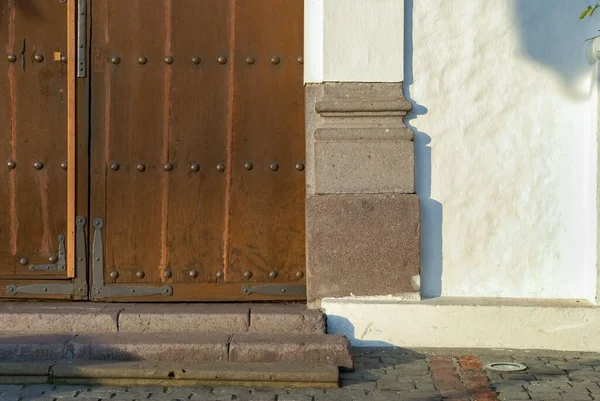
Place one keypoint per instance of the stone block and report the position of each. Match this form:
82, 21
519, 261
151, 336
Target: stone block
286, 319
191, 318
31, 368
364, 166
362, 244
58, 317
26, 347
309, 349
214, 374
181, 347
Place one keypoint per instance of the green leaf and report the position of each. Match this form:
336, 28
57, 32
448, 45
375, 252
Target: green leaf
586, 12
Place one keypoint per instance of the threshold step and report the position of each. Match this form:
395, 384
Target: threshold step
309, 349
148, 373
63, 317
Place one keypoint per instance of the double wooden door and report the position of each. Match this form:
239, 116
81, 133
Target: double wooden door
154, 150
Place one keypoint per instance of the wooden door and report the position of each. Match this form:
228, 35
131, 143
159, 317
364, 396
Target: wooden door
37, 220
197, 150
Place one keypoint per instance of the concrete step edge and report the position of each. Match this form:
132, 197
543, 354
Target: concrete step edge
319, 349
148, 373
94, 318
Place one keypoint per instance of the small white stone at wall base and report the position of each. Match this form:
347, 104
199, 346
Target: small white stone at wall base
415, 282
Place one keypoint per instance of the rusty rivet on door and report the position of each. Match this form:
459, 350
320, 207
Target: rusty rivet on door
38, 165
220, 274
274, 166
12, 58
248, 166
273, 274
24, 261
115, 166
220, 167
142, 59
250, 60
299, 274
300, 166
247, 274
168, 60
141, 168
169, 167
115, 60
52, 258
64, 165
196, 60
168, 273
193, 273
140, 274
11, 165
114, 274
38, 57
275, 60
301, 60
222, 60
195, 167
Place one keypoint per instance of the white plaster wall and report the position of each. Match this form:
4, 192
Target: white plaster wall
505, 120
354, 40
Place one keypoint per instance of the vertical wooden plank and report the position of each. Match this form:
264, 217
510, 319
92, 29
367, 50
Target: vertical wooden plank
198, 130
71, 135
266, 234
35, 132
8, 143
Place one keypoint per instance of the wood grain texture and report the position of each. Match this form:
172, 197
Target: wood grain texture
267, 207
206, 106
33, 112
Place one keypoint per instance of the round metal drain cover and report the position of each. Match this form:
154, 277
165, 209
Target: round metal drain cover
505, 366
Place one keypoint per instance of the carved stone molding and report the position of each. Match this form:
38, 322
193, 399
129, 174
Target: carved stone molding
362, 211
358, 142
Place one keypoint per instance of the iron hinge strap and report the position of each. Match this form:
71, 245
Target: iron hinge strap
282, 290
41, 289
100, 290
81, 38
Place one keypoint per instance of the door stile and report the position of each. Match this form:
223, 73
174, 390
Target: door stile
71, 134
82, 117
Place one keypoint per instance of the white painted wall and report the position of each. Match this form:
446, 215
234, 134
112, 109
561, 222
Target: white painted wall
467, 323
505, 120
354, 40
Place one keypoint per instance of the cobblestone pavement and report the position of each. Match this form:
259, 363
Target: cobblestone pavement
387, 374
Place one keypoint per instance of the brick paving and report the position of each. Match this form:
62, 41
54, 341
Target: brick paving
386, 374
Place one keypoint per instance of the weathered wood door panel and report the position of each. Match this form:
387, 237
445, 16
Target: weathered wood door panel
33, 142
197, 149
266, 219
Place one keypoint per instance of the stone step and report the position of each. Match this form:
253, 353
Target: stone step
159, 374
309, 349
156, 318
